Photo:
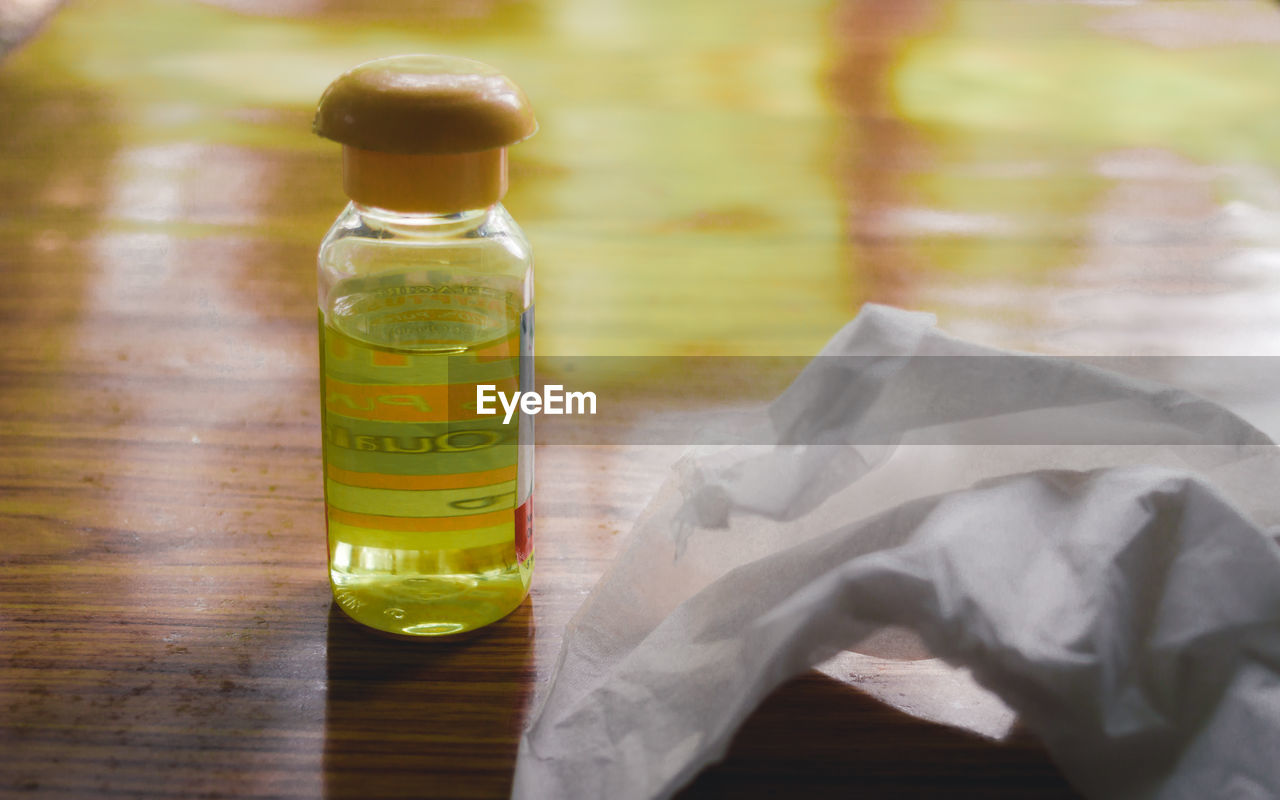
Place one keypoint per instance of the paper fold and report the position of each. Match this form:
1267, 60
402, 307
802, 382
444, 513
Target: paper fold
1124, 600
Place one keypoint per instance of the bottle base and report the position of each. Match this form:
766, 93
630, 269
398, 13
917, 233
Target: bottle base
426, 606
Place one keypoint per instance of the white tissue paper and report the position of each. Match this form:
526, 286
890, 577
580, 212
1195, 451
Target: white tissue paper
1122, 599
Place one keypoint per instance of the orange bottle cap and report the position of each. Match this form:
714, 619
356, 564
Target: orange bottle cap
424, 133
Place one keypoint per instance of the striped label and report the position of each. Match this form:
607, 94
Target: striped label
408, 462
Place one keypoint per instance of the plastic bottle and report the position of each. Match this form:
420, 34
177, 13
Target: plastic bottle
425, 290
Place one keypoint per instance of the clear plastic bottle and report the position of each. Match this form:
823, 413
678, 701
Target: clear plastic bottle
425, 290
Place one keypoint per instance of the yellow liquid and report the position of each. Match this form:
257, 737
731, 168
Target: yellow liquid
427, 504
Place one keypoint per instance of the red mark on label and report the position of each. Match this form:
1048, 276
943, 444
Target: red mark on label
524, 530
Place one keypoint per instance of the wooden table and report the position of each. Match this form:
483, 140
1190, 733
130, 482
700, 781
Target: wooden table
711, 178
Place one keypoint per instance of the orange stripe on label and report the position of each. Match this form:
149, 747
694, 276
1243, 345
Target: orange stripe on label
504, 348
407, 403
461, 480
422, 524
383, 359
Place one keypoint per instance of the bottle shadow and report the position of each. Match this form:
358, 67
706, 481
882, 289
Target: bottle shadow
425, 719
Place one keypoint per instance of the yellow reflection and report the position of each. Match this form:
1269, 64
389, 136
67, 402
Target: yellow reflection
1050, 71
1087, 166
679, 196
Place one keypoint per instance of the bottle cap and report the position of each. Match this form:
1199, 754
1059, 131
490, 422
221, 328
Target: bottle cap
424, 133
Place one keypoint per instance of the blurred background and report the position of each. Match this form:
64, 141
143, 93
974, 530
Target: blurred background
709, 178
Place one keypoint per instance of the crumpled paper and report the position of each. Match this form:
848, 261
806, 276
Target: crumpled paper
1122, 599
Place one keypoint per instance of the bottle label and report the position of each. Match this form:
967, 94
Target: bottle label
409, 465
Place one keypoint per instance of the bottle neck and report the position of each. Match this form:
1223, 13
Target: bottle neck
425, 183
423, 223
